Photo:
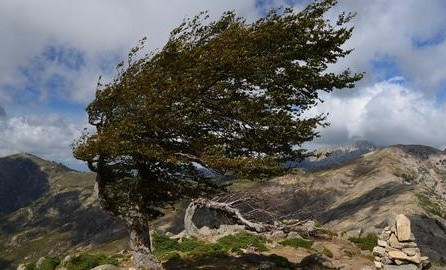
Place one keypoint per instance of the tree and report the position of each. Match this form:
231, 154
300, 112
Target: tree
227, 95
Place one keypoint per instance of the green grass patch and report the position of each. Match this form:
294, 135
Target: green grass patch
163, 244
430, 206
88, 261
297, 243
48, 263
209, 251
365, 243
188, 244
166, 247
241, 240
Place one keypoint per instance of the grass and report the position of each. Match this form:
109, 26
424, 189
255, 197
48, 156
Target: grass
365, 243
168, 249
297, 243
431, 206
79, 262
243, 240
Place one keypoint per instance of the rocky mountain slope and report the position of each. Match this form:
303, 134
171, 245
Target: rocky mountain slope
48, 209
363, 195
354, 198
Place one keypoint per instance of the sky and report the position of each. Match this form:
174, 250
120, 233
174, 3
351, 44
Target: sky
53, 51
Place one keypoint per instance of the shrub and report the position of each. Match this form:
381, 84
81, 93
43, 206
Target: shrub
297, 242
88, 261
241, 240
209, 250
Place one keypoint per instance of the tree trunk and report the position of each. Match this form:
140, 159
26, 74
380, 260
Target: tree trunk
137, 225
189, 226
140, 243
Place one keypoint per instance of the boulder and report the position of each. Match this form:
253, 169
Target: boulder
403, 228
316, 261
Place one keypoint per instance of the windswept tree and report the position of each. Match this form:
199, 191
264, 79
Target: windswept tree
227, 95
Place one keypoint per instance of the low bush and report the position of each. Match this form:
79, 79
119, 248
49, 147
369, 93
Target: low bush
241, 240
297, 243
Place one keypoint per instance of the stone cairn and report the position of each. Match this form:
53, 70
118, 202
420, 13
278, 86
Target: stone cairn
397, 250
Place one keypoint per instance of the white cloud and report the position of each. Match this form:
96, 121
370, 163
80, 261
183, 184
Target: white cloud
386, 113
46, 136
104, 30
95, 28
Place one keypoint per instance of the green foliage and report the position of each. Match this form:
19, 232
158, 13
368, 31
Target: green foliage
188, 244
297, 242
430, 206
241, 240
31, 266
365, 243
48, 263
88, 261
170, 256
227, 94
163, 244
209, 250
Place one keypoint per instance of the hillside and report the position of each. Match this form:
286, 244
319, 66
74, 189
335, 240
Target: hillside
363, 195
355, 198
48, 209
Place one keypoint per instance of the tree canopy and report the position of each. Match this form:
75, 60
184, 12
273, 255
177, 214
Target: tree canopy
226, 95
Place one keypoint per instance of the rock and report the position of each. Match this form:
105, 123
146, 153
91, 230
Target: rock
266, 266
393, 242
293, 235
39, 262
379, 251
378, 265
403, 228
316, 261
106, 267
21, 266
382, 243
411, 251
277, 235
400, 267
399, 255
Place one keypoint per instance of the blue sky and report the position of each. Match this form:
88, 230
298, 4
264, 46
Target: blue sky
53, 52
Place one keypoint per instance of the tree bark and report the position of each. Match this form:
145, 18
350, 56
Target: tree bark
140, 243
192, 230
137, 225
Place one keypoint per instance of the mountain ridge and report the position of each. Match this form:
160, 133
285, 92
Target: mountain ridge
353, 198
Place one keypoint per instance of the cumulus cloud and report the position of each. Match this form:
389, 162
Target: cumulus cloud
53, 51
387, 112
410, 34
96, 29
49, 137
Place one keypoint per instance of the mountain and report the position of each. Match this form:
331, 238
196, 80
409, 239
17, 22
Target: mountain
49, 209
363, 195
58, 214
335, 155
